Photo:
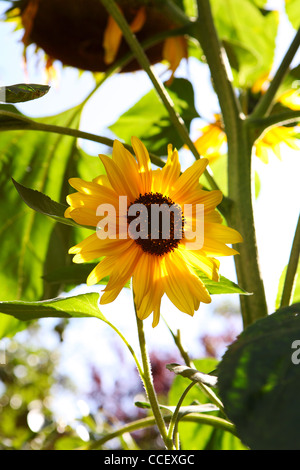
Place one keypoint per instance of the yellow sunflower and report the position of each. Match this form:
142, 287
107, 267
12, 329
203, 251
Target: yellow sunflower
213, 136
156, 265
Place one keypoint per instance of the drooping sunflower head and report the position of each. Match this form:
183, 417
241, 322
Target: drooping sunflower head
81, 34
156, 227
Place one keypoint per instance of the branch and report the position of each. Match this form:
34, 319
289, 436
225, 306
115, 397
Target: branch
286, 117
200, 418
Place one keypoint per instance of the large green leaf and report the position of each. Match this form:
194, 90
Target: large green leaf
33, 244
293, 12
43, 204
38, 160
259, 380
224, 286
149, 121
84, 305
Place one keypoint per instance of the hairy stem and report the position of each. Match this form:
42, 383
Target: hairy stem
240, 215
147, 379
201, 418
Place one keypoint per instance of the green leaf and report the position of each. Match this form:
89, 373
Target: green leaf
149, 120
258, 380
251, 35
74, 274
293, 12
39, 160
22, 92
44, 204
84, 305
296, 290
193, 374
224, 286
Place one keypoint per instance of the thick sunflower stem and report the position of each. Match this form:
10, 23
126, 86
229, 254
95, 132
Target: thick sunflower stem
240, 144
147, 380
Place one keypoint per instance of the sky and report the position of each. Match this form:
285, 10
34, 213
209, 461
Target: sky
276, 209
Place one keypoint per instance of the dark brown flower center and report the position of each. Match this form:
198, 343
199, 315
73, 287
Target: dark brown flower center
155, 223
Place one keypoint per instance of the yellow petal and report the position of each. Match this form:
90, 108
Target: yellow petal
127, 165
86, 187
113, 34
210, 199
139, 20
182, 286
111, 40
188, 181
174, 50
171, 170
84, 216
216, 248
120, 184
209, 266
221, 233
144, 163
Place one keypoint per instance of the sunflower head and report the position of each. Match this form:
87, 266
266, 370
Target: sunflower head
81, 34
149, 228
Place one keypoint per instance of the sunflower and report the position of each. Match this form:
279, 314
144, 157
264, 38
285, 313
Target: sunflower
157, 265
213, 136
81, 34
210, 143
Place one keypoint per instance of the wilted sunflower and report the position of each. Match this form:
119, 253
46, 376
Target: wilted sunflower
81, 34
156, 265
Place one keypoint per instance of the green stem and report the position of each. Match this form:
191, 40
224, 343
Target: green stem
239, 142
143, 423
291, 269
131, 350
204, 388
174, 420
32, 125
205, 32
261, 124
264, 105
147, 379
141, 57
